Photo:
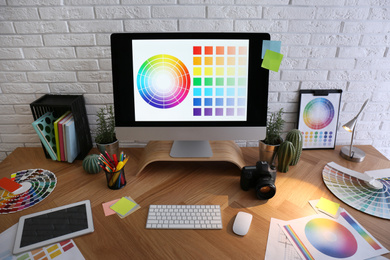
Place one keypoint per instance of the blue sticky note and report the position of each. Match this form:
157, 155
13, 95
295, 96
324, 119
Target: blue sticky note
270, 45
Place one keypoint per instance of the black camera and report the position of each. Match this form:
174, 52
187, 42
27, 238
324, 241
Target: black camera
261, 177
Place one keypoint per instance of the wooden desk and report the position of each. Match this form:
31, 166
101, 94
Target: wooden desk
189, 183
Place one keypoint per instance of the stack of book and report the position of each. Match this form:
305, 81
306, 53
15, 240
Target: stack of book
58, 136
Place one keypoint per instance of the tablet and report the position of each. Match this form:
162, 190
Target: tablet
54, 225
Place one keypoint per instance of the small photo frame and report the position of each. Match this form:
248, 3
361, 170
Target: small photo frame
318, 117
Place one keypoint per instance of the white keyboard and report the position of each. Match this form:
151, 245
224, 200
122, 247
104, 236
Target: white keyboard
184, 217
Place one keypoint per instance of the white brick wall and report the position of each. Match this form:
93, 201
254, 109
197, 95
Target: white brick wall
62, 46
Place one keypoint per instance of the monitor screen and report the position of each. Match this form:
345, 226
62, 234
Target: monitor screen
189, 86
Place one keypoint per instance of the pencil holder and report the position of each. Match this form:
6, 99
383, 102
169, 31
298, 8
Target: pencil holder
116, 180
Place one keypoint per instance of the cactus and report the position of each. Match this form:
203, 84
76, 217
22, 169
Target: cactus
286, 153
91, 163
295, 136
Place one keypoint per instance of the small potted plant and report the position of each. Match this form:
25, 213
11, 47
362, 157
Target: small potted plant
105, 136
268, 147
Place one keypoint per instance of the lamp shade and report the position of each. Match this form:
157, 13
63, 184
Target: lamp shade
350, 126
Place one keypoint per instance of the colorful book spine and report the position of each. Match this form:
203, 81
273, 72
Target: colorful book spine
56, 133
72, 144
61, 135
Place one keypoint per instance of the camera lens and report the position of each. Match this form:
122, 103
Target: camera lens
265, 190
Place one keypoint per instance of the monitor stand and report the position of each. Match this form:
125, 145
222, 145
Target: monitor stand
188, 149
222, 151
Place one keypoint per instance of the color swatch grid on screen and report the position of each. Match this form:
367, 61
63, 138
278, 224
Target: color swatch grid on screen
220, 75
163, 81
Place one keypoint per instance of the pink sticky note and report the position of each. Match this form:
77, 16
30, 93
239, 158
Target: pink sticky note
106, 207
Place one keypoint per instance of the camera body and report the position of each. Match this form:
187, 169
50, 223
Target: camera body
261, 177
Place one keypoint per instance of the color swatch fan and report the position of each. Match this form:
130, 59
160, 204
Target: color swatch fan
37, 184
358, 193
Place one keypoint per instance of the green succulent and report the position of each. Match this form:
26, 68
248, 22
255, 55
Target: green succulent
275, 125
105, 131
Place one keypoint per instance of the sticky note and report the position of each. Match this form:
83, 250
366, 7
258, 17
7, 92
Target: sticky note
272, 60
328, 207
9, 184
123, 206
106, 207
270, 45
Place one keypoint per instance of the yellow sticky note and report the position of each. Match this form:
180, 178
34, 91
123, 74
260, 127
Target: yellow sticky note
329, 207
123, 206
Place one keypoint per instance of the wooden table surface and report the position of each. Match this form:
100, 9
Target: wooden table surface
189, 183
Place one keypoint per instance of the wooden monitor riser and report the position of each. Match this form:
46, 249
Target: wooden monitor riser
227, 151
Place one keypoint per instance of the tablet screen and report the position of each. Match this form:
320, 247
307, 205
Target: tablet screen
54, 225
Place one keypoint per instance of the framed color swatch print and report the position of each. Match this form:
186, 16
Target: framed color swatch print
318, 117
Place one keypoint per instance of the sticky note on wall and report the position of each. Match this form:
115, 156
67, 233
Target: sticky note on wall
272, 60
270, 45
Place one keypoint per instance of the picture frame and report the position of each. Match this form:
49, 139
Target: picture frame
318, 117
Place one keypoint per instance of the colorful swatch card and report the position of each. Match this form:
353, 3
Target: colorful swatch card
9, 185
60, 251
323, 237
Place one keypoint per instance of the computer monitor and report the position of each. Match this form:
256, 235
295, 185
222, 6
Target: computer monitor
190, 88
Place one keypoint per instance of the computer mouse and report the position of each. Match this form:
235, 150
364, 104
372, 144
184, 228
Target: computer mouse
242, 223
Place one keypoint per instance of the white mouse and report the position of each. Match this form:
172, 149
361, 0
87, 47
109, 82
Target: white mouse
242, 223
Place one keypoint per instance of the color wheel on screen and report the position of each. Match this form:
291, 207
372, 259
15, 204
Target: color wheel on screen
163, 81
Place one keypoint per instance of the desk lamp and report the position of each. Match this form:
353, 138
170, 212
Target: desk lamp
351, 153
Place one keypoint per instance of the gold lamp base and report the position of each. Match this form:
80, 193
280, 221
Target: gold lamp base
356, 155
